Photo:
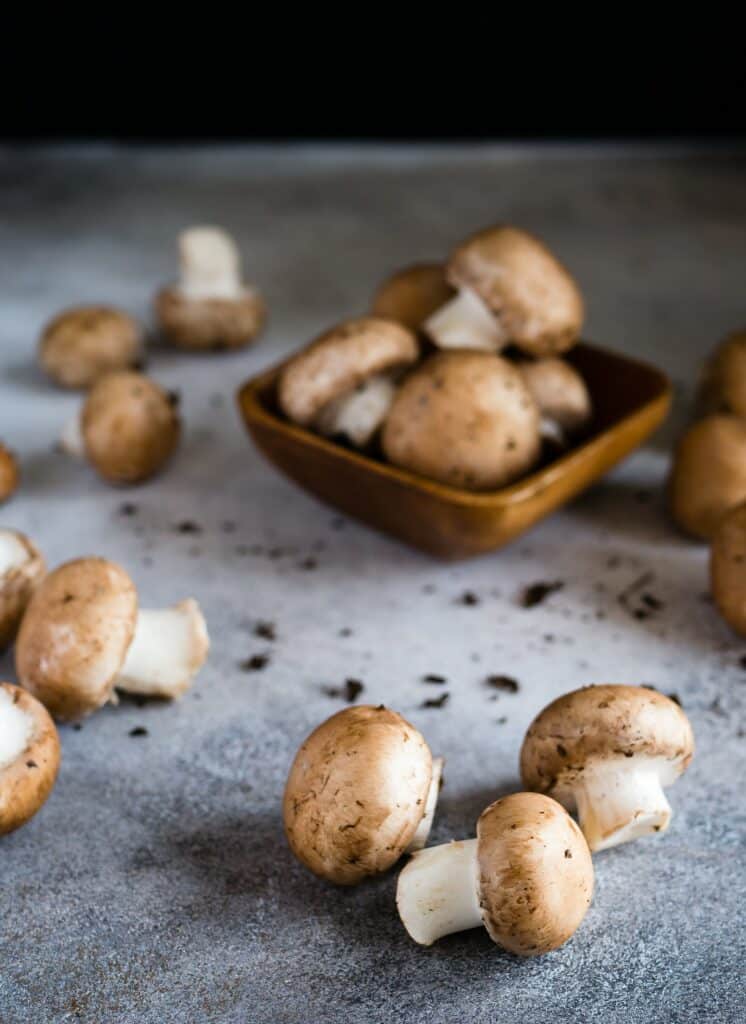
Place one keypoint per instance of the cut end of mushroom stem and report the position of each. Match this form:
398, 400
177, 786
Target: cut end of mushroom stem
71, 437
15, 729
169, 647
437, 892
423, 829
617, 803
465, 322
359, 414
210, 265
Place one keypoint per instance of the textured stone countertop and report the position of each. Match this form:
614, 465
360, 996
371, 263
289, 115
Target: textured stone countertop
156, 886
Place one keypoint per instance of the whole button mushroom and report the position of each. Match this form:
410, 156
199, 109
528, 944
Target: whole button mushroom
82, 344
29, 756
609, 751
511, 290
22, 569
83, 636
413, 294
344, 382
561, 395
465, 419
708, 476
361, 791
8, 473
728, 568
211, 308
723, 386
527, 877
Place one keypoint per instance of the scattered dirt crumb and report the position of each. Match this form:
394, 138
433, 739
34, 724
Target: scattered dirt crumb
501, 720
350, 691
265, 630
436, 702
536, 593
433, 677
504, 683
468, 598
139, 730
128, 508
255, 663
345, 631
308, 564
188, 526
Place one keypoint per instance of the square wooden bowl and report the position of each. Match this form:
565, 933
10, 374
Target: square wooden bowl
630, 399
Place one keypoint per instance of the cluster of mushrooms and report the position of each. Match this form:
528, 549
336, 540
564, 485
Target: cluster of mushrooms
456, 374
363, 789
707, 484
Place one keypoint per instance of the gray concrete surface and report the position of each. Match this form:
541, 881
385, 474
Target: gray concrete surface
155, 886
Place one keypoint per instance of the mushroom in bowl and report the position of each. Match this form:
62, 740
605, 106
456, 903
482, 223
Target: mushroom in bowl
22, 569
562, 397
411, 295
29, 756
9, 474
82, 344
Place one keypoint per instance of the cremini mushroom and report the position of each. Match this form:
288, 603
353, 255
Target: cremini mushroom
708, 476
723, 385
9, 474
21, 570
361, 791
466, 419
608, 751
82, 344
413, 294
561, 395
83, 636
511, 290
29, 756
343, 383
527, 877
211, 308
728, 568
128, 428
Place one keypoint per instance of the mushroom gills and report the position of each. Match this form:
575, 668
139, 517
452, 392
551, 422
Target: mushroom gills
15, 730
438, 891
210, 265
466, 322
358, 414
169, 647
71, 438
423, 829
617, 802
13, 552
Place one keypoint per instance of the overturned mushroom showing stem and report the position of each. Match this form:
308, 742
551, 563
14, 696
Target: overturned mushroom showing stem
29, 756
510, 290
608, 752
527, 877
413, 294
561, 395
83, 636
361, 791
22, 569
9, 474
211, 308
82, 344
344, 382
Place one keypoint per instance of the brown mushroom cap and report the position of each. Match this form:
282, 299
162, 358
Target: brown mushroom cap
723, 386
559, 391
535, 873
465, 419
8, 473
27, 781
598, 723
356, 793
17, 584
728, 568
213, 324
75, 635
535, 299
708, 476
338, 361
130, 427
80, 345
412, 294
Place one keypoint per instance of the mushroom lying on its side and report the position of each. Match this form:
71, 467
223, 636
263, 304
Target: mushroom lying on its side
82, 344
83, 636
8, 473
22, 569
465, 419
413, 294
728, 568
609, 751
344, 382
211, 308
29, 756
511, 290
527, 877
561, 395
723, 384
361, 791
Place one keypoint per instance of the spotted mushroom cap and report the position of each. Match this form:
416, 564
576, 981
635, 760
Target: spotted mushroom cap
22, 574
26, 779
82, 344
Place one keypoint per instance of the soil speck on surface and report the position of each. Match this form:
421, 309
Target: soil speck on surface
255, 663
350, 691
468, 598
139, 730
436, 702
188, 526
265, 630
433, 677
504, 683
536, 593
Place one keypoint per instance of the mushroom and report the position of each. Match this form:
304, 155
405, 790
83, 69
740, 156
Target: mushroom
527, 877
609, 751
128, 428
464, 419
82, 344
413, 294
561, 395
8, 473
83, 636
723, 385
343, 383
728, 568
708, 476
29, 756
211, 308
511, 290
361, 791
22, 568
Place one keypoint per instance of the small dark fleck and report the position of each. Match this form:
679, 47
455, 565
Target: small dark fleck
433, 677
350, 691
188, 526
538, 592
174, 399
436, 702
561, 750
31, 764
568, 854
128, 508
429, 588
67, 598
77, 726
505, 683
717, 709
468, 598
266, 630
255, 663
742, 661
345, 631
628, 753
139, 730
308, 564
652, 602
502, 720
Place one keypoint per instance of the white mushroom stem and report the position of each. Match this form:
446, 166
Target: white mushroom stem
169, 647
438, 891
465, 322
551, 431
359, 414
71, 438
618, 801
15, 730
210, 265
13, 552
423, 829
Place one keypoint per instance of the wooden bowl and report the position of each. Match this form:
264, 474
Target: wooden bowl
630, 399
